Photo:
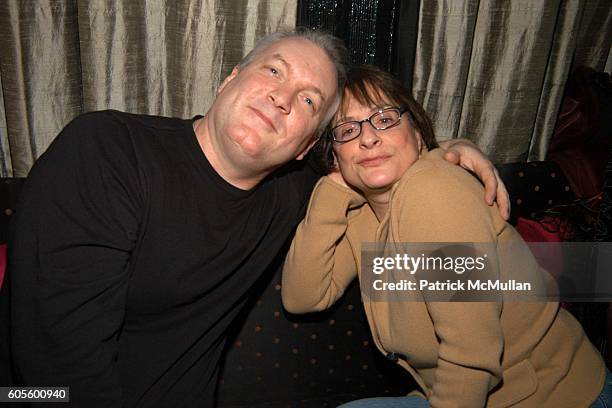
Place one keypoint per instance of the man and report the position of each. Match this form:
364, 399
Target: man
138, 238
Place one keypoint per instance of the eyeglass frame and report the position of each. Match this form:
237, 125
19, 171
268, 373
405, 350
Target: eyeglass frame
369, 120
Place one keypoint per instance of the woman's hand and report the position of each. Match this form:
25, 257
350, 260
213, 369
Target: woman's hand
468, 155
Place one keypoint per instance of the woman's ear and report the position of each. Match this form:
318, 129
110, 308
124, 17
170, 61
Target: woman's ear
420, 143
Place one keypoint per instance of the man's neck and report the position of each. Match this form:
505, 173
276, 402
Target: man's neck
220, 162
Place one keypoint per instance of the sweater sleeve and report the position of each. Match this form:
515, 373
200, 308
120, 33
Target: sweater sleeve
320, 264
75, 227
443, 204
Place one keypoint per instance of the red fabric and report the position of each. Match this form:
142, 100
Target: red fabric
549, 229
531, 231
2, 262
573, 145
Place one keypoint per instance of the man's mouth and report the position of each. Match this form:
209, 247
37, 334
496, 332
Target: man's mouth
266, 119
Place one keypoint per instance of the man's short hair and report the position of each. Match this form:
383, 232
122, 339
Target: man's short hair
332, 46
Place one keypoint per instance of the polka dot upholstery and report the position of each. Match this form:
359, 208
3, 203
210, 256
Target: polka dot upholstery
281, 360
534, 187
317, 360
9, 190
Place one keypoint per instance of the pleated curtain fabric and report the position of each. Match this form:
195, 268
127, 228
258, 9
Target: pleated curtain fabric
60, 58
493, 71
6, 167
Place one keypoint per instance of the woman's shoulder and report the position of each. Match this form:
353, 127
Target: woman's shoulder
438, 176
438, 200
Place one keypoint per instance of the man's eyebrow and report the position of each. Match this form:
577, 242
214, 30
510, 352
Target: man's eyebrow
318, 92
287, 66
279, 57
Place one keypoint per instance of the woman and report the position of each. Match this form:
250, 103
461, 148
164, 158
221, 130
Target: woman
462, 354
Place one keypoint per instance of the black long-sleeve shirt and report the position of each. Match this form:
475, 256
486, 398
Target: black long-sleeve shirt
130, 258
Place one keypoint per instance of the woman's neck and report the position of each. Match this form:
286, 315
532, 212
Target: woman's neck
379, 202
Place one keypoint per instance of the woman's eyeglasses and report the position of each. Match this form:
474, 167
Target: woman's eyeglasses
382, 120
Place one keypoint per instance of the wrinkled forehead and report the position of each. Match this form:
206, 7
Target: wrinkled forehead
307, 61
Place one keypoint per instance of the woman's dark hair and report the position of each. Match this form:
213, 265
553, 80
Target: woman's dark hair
372, 86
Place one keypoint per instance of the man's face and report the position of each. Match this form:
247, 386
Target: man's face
268, 112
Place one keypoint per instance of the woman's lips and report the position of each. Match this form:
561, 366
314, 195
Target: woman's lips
373, 161
264, 118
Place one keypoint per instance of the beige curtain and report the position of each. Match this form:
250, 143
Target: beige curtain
59, 58
5, 157
493, 71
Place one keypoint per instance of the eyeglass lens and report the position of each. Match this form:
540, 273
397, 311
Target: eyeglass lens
380, 121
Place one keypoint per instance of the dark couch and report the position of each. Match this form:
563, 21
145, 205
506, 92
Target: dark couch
280, 360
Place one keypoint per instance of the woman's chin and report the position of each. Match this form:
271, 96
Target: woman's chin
381, 183
372, 183
377, 188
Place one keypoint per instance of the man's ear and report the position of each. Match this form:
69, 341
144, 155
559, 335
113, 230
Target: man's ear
307, 148
227, 79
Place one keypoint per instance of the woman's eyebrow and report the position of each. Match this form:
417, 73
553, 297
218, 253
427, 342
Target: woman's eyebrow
375, 109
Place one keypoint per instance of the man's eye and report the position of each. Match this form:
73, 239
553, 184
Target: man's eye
274, 71
310, 102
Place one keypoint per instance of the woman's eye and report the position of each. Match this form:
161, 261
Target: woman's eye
309, 101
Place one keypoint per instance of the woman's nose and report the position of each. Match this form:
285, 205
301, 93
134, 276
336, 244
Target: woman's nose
369, 136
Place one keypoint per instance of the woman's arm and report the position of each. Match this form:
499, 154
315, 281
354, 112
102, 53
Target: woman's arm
444, 204
320, 263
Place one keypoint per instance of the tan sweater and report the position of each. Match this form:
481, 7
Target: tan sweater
462, 354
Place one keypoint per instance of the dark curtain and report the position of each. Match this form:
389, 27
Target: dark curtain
379, 32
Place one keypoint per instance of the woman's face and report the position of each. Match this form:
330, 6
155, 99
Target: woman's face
376, 159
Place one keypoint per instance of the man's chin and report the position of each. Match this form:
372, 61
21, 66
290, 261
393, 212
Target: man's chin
250, 145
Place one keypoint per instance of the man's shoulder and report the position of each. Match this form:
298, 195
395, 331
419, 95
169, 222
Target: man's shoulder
128, 120
96, 137
109, 129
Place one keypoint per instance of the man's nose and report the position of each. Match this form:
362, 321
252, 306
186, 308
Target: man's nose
369, 136
281, 98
